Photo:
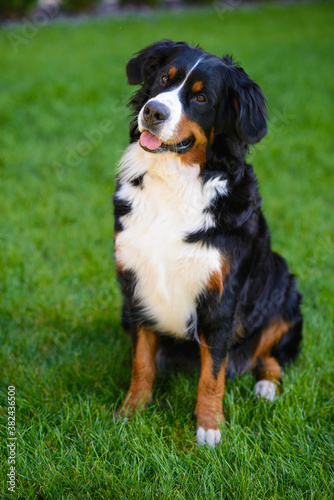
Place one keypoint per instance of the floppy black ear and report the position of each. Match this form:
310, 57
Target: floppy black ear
245, 109
147, 60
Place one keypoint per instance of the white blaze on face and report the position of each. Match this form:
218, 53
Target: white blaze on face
171, 99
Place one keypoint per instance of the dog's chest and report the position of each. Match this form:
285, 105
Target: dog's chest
170, 273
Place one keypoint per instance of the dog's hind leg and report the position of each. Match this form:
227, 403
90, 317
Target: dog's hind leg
278, 345
268, 371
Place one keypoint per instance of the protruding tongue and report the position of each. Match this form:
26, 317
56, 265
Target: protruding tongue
149, 140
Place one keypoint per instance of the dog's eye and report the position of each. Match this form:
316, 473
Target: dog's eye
164, 79
200, 98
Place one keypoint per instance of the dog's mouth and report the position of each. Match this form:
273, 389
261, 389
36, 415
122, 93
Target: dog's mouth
151, 143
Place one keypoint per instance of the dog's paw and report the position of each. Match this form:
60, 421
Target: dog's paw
266, 389
211, 437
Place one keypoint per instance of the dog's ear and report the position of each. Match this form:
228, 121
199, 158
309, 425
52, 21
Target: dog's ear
144, 65
244, 107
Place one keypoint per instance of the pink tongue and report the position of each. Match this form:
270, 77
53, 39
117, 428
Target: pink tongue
149, 140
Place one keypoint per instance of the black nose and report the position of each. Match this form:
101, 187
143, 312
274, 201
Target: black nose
154, 113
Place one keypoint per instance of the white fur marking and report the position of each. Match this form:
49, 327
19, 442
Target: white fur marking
170, 273
173, 103
211, 437
265, 389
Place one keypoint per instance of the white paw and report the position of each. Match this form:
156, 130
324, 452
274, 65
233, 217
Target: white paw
265, 389
211, 437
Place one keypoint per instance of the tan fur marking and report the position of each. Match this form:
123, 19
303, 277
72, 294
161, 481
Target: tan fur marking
217, 278
187, 128
238, 332
268, 368
270, 336
119, 264
143, 371
194, 129
209, 408
197, 87
212, 135
216, 282
196, 156
172, 72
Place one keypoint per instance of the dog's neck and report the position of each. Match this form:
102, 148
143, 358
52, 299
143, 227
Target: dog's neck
169, 167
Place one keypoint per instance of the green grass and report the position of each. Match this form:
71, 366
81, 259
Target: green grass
61, 341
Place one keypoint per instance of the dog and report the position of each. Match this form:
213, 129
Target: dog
192, 247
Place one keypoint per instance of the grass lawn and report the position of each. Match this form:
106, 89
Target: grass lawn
63, 127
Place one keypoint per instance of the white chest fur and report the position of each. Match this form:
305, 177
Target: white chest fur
170, 204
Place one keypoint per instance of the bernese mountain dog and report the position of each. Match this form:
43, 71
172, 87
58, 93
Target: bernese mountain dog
192, 247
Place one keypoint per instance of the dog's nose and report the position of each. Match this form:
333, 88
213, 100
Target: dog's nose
155, 113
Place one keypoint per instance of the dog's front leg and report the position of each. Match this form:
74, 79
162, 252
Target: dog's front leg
143, 371
209, 408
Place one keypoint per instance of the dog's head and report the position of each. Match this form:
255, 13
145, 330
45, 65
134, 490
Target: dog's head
189, 98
